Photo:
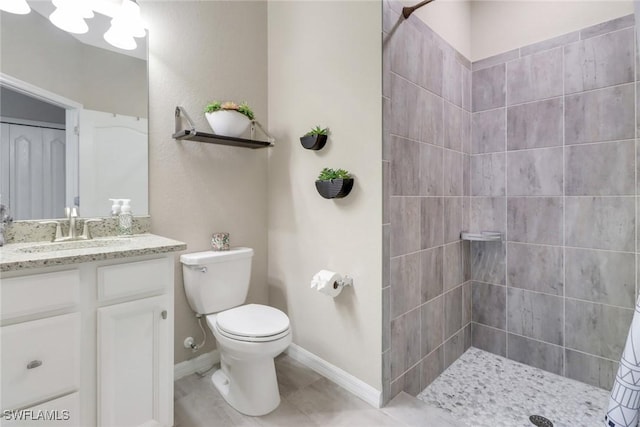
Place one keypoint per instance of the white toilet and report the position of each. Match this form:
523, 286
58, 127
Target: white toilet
248, 336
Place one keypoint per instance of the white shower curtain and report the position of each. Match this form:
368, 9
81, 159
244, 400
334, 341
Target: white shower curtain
624, 404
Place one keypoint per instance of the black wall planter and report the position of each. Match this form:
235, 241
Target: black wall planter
335, 188
313, 142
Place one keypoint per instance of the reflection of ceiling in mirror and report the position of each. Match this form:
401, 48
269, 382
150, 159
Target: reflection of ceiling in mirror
17, 105
98, 25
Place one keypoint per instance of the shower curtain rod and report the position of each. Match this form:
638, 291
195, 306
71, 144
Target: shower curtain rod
407, 11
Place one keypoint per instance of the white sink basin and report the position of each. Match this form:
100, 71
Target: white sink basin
77, 244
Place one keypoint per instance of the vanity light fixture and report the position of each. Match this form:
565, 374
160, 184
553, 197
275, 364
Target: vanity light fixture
70, 15
129, 17
120, 37
125, 26
19, 7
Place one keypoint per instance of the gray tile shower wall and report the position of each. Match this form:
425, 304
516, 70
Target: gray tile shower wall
426, 293
554, 165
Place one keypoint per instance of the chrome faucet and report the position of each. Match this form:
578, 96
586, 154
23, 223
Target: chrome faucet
72, 217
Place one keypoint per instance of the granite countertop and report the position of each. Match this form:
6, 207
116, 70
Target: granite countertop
21, 256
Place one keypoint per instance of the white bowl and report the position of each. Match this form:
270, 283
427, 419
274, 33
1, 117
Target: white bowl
228, 122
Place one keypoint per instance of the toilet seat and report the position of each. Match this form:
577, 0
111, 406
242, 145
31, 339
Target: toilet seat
253, 339
251, 322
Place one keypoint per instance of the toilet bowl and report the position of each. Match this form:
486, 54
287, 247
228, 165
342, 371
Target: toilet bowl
247, 376
248, 336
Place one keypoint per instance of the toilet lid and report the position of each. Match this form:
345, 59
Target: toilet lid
253, 320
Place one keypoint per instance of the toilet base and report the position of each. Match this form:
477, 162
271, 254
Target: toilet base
250, 387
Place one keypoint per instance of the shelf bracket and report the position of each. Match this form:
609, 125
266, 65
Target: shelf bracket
178, 123
254, 124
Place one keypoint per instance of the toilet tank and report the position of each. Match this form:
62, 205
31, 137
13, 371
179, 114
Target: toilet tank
216, 280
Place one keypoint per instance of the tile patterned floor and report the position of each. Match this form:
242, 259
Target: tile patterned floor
482, 389
307, 400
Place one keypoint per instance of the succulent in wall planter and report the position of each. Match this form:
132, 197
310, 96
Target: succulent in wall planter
334, 184
228, 118
315, 139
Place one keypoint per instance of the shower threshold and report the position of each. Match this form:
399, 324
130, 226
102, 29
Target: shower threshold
482, 389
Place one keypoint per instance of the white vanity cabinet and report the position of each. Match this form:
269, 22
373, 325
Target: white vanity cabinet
88, 344
135, 338
40, 347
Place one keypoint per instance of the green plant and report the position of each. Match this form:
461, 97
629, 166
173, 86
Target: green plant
327, 174
317, 131
230, 105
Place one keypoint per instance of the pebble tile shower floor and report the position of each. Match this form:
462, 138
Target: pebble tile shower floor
485, 390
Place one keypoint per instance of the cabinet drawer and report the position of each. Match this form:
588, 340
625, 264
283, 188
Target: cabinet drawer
133, 279
40, 360
61, 412
39, 293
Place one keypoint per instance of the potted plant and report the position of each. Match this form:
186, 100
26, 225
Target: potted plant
228, 118
334, 184
315, 139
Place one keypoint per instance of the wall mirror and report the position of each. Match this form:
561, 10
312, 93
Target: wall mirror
73, 112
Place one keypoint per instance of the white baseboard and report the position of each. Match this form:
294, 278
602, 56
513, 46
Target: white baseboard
344, 379
191, 366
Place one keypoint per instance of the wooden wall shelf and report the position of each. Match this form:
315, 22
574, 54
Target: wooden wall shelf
192, 134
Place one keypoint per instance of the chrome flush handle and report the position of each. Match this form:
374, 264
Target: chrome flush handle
200, 268
34, 364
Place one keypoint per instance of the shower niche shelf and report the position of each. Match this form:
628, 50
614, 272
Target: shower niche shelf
191, 134
483, 236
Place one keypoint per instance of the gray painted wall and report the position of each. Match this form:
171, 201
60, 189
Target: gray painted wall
553, 166
225, 64
349, 335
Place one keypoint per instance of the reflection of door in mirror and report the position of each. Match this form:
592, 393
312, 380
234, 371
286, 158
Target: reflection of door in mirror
113, 161
33, 157
36, 175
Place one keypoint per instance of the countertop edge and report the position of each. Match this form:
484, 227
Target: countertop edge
165, 245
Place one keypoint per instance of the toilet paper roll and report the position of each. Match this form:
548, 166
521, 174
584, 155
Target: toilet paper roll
326, 282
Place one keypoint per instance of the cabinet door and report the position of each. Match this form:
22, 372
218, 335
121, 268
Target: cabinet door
135, 363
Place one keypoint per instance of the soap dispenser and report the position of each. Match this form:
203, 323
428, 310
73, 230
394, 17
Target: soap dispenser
125, 219
115, 207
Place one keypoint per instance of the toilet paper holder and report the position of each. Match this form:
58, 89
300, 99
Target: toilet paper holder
345, 281
330, 283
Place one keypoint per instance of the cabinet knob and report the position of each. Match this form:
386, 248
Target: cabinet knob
34, 364
164, 314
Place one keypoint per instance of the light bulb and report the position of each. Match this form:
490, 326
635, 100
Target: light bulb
78, 7
119, 37
128, 17
68, 21
19, 7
